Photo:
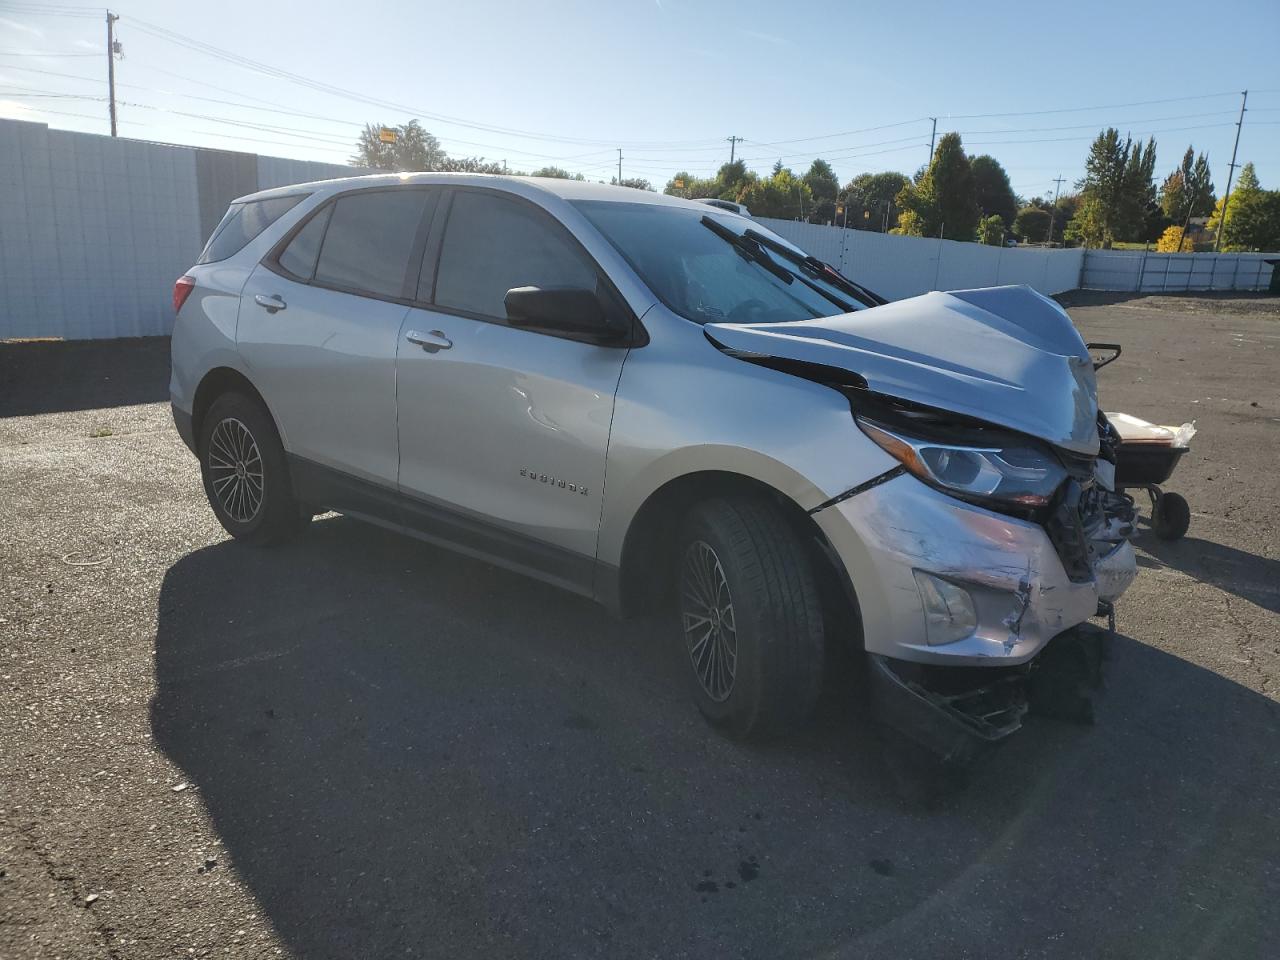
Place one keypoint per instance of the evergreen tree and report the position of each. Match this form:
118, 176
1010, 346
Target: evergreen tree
944, 201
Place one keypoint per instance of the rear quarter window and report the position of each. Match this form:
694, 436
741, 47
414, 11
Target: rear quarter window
244, 221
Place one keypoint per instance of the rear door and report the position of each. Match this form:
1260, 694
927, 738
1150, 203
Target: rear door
318, 327
504, 430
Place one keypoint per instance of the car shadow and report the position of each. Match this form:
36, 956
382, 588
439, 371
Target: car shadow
1247, 575
53, 376
409, 753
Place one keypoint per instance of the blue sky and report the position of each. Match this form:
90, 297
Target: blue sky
669, 80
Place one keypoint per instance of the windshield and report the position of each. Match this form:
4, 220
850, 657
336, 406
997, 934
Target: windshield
701, 276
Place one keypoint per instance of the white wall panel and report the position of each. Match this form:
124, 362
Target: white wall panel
94, 230
898, 267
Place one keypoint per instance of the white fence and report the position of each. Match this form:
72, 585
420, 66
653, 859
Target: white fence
1142, 271
94, 230
897, 267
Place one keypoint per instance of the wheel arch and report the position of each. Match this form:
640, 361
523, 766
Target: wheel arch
650, 537
216, 383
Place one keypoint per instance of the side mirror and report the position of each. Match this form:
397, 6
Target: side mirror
562, 309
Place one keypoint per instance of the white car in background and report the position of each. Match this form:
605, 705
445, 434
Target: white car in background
660, 405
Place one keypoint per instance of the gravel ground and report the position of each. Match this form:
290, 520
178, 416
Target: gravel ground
362, 746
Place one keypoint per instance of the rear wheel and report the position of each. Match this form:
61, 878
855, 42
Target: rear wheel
751, 617
245, 474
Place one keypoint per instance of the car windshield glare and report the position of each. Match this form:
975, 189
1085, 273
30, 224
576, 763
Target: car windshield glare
696, 273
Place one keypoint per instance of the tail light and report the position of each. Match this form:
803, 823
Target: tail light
181, 290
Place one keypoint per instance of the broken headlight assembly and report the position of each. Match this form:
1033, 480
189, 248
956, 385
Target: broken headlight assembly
1003, 473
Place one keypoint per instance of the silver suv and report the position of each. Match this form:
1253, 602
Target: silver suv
666, 407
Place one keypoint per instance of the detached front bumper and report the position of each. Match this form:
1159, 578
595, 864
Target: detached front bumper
901, 536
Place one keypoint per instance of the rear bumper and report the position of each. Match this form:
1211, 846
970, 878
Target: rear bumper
182, 420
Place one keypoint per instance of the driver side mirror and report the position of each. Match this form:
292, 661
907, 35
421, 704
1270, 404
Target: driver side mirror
574, 310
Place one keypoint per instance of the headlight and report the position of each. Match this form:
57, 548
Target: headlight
1012, 474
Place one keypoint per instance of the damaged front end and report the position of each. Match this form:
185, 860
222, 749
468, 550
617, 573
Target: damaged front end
1000, 532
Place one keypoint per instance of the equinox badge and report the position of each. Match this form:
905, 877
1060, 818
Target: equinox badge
552, 481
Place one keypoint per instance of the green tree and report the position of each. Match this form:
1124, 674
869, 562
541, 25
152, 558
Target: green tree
1117, 191
729, 183
412, 148
1031, 224
1253, 215
782, 195
992, 189
557, 173
1188, 190
944, 201
1173, 192
473, 165
1137, 192
870, 198
991, 230
825, 187
637, 183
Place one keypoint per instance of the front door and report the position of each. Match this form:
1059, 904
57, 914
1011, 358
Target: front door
504, 430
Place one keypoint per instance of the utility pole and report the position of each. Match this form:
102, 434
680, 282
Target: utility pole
619, 166
733, 143
1053, 210
1231, 171
111, 66
932, 136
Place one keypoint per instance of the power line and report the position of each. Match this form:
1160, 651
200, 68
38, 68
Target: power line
1109, 106
254, 65
50, 54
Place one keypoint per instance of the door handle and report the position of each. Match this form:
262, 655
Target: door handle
433, 341
271, 304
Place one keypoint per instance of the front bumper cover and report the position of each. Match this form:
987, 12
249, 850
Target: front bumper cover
1021, 593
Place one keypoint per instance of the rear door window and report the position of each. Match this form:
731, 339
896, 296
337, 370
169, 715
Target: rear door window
370, 240
243, 222
299, 257
492, 244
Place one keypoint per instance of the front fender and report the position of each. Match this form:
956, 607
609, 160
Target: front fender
683, 407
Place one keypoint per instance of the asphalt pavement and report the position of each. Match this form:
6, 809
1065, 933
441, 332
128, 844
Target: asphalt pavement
359, 745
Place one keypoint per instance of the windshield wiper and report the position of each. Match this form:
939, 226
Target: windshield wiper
750, 247
818, 269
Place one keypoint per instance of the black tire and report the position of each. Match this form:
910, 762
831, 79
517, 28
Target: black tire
770, 632
238, 439
1171, 517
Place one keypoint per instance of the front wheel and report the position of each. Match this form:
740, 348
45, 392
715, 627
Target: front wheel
245, 474
751, 617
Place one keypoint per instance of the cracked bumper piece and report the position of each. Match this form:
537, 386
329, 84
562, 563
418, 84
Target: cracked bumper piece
956, 719
941, 581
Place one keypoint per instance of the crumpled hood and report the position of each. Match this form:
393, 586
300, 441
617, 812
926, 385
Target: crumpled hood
1006, 355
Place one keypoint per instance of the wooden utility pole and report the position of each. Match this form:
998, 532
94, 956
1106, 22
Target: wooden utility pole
111, 66
1053, 210
932, 136
733, 143
1231, 170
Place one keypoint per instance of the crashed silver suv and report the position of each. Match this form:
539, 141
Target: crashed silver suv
666, 407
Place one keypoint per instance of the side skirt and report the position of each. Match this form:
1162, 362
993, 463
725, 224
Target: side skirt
435, 523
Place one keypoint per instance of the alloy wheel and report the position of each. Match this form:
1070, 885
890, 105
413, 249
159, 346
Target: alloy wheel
710, 630
235, 469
